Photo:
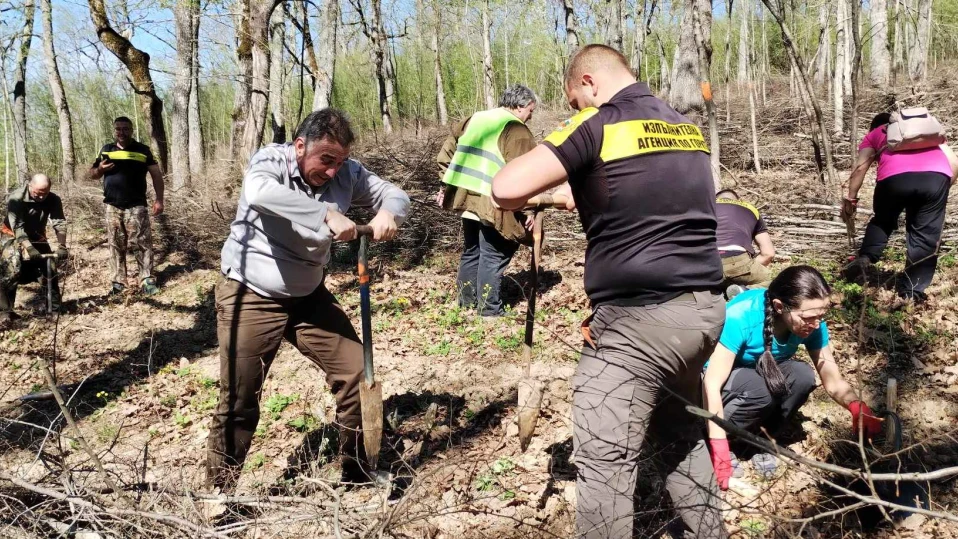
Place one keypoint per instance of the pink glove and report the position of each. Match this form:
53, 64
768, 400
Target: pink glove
721, 461
863, 415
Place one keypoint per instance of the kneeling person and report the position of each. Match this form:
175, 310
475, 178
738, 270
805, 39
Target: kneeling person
291, 208
739, 225
23, 242
752, 379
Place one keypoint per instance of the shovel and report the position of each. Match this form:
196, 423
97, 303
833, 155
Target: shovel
370, 393
531, 389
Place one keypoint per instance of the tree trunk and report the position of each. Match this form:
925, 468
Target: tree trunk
616, 20
260, 13
59, 96
180, 148
918, 54
838, 105
328, 41
823, 54
441, 113
729, 4
20, 93
665, 76
197, 157
820, 141
137, 63
641, 30
880, 58
704, 51
571, 33
377, 34
897, 52
488, 82
277, 36
743, 53
242, 89
856, 63
686, 94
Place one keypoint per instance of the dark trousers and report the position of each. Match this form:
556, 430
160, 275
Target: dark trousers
250, 329
484, 259
632, 389
748, 404
922, 196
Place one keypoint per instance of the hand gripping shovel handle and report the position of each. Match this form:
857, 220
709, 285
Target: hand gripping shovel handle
541, 202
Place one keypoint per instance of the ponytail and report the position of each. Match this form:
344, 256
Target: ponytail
767, 367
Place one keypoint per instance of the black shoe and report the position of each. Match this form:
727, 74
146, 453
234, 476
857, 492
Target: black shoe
117, 289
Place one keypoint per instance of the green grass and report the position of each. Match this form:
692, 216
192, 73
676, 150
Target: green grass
255, 462
107, 432
304, 423
509, 344
278, 402
441, 348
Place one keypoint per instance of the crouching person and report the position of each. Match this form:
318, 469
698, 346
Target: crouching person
291, 208
23, 242
753, 380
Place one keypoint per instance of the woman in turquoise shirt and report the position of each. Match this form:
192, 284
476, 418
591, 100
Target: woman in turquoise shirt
752, 379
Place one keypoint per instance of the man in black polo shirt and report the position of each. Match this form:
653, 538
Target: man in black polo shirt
739, 226
640, 178
123, 165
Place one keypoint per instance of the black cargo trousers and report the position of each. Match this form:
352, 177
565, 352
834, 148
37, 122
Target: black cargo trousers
644, 363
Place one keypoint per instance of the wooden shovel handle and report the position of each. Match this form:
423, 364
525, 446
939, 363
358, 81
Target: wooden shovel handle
544, 201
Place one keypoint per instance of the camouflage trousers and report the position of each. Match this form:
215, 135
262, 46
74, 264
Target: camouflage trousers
129, 228
10, 261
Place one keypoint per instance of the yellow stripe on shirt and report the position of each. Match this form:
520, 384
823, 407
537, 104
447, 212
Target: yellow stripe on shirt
121, 155
569, 126
641, 137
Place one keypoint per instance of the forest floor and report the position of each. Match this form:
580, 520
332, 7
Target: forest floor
143, 380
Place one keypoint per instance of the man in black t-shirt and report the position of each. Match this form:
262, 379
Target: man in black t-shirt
123, 165
739, 225
640, 178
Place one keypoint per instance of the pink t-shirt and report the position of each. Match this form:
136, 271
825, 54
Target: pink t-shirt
893, 163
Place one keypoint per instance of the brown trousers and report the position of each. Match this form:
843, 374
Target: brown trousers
744, 270
250, 329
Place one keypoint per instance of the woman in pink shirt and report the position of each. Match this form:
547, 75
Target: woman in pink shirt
916, 182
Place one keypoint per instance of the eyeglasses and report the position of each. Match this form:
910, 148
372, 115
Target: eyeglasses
812, 316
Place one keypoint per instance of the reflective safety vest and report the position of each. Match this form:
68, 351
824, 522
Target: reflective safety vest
477, 157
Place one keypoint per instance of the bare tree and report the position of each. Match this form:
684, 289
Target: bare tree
686, 94
375, 31
571, 31
641, 31
704, 49
821, 143
488, 80
59, 95
615, 20
137, 63
183, 21
197, 158
880, 57
441, 113
325, 69
918, 54
841, 51
252, 91
823, 54
20, 92
729, 4
898, 50
743, 48
277, 36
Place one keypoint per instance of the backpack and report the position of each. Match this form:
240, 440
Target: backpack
913, 129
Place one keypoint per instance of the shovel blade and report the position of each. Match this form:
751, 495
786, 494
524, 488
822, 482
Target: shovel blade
530, 402
371, 404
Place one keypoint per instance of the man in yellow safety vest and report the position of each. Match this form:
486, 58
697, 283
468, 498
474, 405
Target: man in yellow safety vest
476, 149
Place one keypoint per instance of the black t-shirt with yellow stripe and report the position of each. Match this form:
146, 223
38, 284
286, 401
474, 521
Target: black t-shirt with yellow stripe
642, 183
125, 186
